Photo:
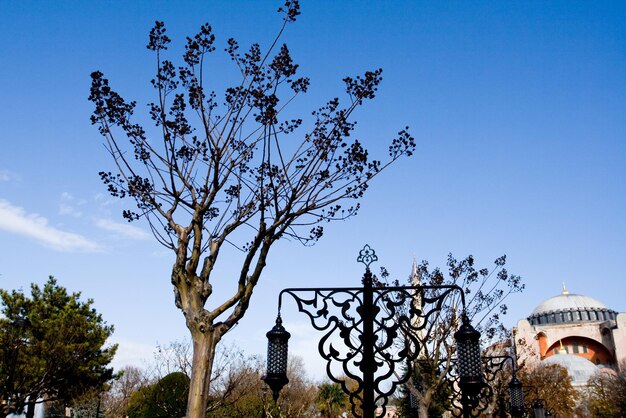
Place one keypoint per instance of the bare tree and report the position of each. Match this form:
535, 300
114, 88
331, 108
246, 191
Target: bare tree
237, 177
485, 292
298, 398
129, 380
173, 357
243, 393
230, 372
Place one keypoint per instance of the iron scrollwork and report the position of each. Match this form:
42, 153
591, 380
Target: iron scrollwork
369, 333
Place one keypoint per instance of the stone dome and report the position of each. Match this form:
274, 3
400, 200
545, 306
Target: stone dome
568, 301
579, 369
568, 307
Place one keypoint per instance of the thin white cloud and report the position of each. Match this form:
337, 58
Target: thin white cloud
104, 200
14, 219
68, 204
65, 209
6, 175
124, 230
130, 353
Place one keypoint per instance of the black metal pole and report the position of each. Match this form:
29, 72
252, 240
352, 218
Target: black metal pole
368, 365
501, 406
466, 406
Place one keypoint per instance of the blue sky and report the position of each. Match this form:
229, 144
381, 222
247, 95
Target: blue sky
518, 109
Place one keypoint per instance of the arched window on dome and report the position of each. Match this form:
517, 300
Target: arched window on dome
577, 315
585, 347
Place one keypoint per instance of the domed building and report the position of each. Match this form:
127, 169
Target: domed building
579, 368
574, 331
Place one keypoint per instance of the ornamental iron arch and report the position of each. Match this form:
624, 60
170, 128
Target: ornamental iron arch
368, 337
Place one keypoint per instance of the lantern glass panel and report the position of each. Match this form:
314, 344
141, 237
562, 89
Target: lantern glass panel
469, 358
517, 396
277, 352
277, 349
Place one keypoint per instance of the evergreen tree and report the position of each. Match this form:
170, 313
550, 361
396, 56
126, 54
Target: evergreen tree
52, 347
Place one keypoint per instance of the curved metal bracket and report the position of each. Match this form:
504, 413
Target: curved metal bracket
396, 336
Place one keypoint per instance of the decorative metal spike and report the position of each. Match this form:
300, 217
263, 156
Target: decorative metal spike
367, 256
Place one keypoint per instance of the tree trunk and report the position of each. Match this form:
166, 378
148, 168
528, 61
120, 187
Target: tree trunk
30, 408
204, 344
422, 410
423, 404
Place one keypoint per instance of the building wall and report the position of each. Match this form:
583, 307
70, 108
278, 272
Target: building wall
600, 342
619, 339
584, 347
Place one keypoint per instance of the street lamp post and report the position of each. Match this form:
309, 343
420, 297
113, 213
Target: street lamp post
371, 322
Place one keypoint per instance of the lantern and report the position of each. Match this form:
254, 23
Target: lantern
469, 361
277, 341
516, 395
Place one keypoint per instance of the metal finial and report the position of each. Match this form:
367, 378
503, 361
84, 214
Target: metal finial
367, 256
